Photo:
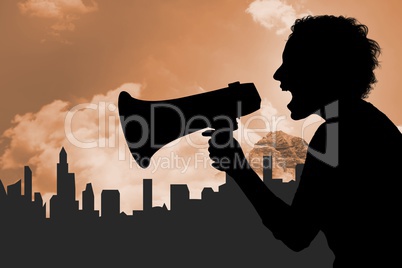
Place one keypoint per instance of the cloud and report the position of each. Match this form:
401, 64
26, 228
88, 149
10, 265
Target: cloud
58, 9
97, 151
275, 15
35, 139
62, 13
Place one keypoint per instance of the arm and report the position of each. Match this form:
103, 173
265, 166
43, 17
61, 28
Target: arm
290, 224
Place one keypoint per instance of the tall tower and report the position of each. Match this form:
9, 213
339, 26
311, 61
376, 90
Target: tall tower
63, 157
28, 183
147, 194
63, 204
88, 198
88, 203
65, 180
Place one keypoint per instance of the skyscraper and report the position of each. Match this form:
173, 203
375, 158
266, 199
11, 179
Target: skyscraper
65, 180
88, 202
63, 204
88, 198
28, 183
147, 194
110, 203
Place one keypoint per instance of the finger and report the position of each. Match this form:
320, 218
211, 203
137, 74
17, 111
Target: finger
207, 133
211, 145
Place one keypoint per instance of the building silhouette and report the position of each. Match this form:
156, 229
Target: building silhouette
147, 194
88, 203
179, 197
14, 191
211, 230
284, 190
40, 206
63, 205
16, 207
110, 206
28, 183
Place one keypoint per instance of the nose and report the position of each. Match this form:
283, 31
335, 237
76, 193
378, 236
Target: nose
278, 73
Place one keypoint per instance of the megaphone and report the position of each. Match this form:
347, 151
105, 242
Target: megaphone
150, 125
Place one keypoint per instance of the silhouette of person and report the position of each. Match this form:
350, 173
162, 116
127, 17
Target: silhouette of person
348, 187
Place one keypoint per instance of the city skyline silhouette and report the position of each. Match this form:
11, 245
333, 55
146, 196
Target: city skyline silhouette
188, 224
63, 204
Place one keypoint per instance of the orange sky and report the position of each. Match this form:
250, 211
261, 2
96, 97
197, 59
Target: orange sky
56, 54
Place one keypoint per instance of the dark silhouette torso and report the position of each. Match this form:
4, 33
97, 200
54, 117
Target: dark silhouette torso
355, 203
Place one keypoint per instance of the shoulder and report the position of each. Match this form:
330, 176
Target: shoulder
371, 124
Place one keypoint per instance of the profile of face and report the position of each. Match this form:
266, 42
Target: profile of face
306, 73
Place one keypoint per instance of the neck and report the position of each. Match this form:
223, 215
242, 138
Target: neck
332, 110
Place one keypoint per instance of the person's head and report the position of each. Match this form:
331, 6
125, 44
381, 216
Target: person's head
326, 58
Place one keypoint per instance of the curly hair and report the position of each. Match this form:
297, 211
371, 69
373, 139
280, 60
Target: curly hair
346, 40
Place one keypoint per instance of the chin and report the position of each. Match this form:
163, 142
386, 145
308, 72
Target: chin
296, 116
299, 114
